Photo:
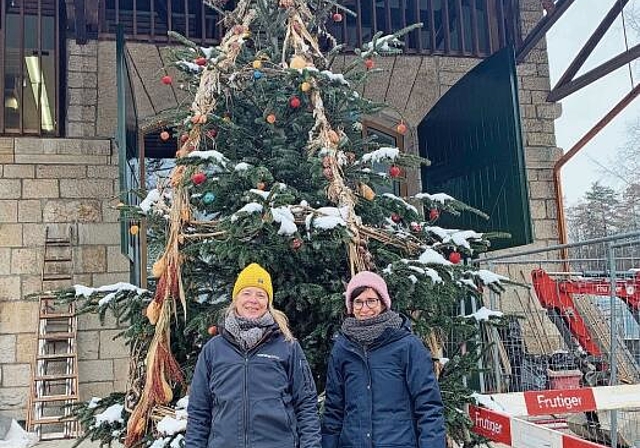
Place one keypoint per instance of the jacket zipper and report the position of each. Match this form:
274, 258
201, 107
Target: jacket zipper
246, 400
370, 393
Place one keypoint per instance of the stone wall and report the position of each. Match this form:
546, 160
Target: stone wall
57, 184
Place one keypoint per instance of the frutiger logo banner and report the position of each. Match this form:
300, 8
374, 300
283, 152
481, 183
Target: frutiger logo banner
545, 402
490, 424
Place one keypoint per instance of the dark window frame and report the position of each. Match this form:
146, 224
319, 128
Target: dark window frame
400, 186
39, 11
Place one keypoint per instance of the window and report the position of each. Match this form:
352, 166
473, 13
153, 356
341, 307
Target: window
387, 137
450, 27
30, 76
150, 20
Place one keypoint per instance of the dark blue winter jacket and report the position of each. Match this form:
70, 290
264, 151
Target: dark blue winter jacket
386, 396
263, 398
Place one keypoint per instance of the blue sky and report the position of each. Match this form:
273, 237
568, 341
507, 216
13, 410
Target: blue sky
583, 109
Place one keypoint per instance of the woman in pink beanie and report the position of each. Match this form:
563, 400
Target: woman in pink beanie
381, 390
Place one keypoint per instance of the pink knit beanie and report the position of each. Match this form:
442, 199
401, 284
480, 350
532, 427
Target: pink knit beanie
369, 280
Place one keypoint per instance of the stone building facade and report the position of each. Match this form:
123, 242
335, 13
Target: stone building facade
72, 182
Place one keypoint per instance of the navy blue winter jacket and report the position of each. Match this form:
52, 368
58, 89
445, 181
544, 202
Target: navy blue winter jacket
263, 398
384, 397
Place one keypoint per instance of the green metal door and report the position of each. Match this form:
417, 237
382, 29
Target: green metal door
473, 139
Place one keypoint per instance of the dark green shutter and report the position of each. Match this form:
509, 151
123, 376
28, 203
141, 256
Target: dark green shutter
473, 139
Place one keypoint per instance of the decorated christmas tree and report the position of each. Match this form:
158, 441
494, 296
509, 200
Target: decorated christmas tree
273, 167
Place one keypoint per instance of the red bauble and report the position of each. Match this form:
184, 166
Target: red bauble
328, 173
166, 80
434, 214
416, 227
201, 61
184, 138
394, 171
369, 63
401, 128
455, 257
213, 133
294, 102
198, 178
164, 136
337, 17
212, 330
396, 218
296, 243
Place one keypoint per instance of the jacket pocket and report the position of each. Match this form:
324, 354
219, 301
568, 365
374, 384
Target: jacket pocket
271, 424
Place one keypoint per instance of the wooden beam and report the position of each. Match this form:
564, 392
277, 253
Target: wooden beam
539, 31
595, 74
591, 44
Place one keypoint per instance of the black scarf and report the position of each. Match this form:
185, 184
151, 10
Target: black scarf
366, 331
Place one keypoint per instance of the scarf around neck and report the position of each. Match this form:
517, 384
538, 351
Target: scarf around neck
366, 331
247, 332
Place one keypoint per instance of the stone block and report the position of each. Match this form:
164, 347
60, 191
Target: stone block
13, 398
109, 212
5, 261
88, 344
18, 316
542, 155
89, 322
535, 83
16, 375
116, 262
107, 234
107, 110
58, 159
112, 348
10, 289
26, 347
10, 188
460, 65
105, 172
82, 279
524, 96
82, 63
527, 69
9, 211
86, 49
72, 210
121, 370
551, 111
90, 259
541, 190
85, 114
538, 209
89, 390
26, 261
540, 139
80, 129
95, 370
82, 97
86, 188
31, 284
77, 80
40, 188
528, 110
110, 278
33, 234
10, 235
28, 145
545, 229
18, 171
98, 147
6, 146
30, 211
552, 209
61, 172
7, 349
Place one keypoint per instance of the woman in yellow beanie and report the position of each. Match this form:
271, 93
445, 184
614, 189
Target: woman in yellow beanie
252, 386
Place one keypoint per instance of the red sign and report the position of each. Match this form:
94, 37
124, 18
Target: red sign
545, 402
574, 442
490, 424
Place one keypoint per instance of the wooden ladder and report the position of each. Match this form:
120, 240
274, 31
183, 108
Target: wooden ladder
54, 371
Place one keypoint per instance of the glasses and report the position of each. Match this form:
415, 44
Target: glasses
371, 303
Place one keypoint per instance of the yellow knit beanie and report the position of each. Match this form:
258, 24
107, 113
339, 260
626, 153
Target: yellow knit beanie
256, 276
